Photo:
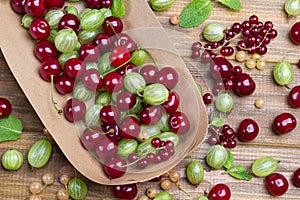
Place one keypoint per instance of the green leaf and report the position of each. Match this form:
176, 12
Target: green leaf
232, 4
118, 8
217, 122
10, 128
195, 13
229, 161
239, 172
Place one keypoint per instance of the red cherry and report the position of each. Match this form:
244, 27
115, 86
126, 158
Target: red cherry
119, 56
94, 4
124, 40
276, 184
88, 53
296, 178
106, 3
74, 110
44, 50
284, 123
112, 132
150, 115
35, 8
149, 73
168, 77
113, 82
244, 85
115, 167
112, 25
92, 80
221, 68
64, 84
69, 21
125, 101
91, 136
18, 6
219, 192
55, 3
126, 69
103, 42
49, 67
294, 97
172, 103
5, 108
74, 68
248, 130
106, 148
130, 127
126, 192
179, 123
39, 29
110, 114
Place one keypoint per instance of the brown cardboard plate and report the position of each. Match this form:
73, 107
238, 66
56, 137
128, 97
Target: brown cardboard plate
141, 24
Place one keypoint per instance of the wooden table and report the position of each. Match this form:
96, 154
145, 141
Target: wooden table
14, 185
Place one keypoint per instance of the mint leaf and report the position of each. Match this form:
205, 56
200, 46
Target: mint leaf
229, 161
239, 172
118, 8
195, 13
232, 4
10, 128
217, 122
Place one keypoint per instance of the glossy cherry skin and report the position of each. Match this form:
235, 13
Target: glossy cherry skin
130, 127
44, 50
221, 68
74, 110
179, 123
247, 130
244, 85
69, 21
284, 123
55, 3
92, 80
64, 84
88, 53
112, 25
125, 101
126, 69
294, 97
113, 82
295, 33
5, 108
126, 192
91, 136
296, 178
168, 77
219, 192
119, 56
276, 184
150, 115
172, 103
149, 73
49, 67
110, 114
124, 40
35, 8
96, 4
39, 29
103, 42
106, 3
18, 6
74, 68
112, 132
106, 148
115, 167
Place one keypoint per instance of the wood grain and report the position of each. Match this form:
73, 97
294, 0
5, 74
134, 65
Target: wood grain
14, 185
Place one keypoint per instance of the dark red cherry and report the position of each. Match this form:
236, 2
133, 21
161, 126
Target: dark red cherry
124, 40
221, 68
89, 53
106, 148
49, 67
92, 80
55, 3
172, 103
119, 56
149, 72
74, 110
284, 123
126, 192
244, 85
294, 97
44, 50
110, 114
130, 127
113, 82
112, 132
69, 21
91, 136
94, 4
179, 123
168, 77
115, 167
35, 8
75, 68
112, 25
64, 84
248, 130
219, 192
18, 6
296, 178
276, 184
125, 101
103, 42
126, 69
39, 29
106, 3
150, 115
5, 108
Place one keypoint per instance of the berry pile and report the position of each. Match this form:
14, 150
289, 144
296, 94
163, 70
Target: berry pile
135, 115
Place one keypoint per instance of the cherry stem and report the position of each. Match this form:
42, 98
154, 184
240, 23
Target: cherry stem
115, 69
59, 111
113, 29
151, 57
